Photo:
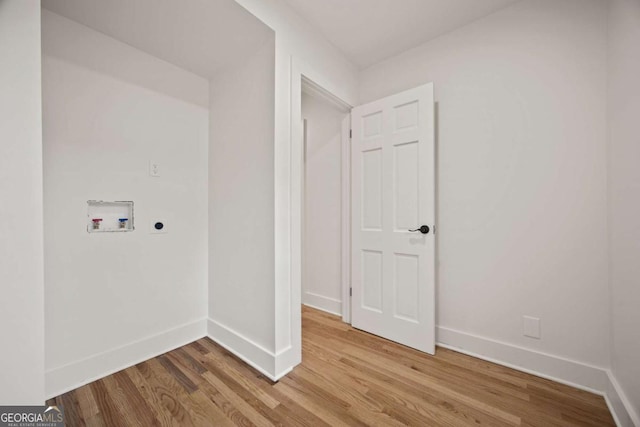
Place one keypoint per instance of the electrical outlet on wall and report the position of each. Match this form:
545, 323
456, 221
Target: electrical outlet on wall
158, 226
154, 168
531, 327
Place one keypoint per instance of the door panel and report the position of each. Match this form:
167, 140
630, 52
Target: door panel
372, 280
393, 191
406, 168
372, 189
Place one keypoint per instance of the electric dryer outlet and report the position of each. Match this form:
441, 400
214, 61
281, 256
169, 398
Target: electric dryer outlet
158, 226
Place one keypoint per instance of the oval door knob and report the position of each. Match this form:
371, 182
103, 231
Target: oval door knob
424, 229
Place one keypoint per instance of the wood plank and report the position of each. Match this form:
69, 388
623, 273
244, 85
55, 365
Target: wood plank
108, 409
153, 399
87, 402
177, 374
243, 406
71, 406
243, 382
171, 395
334, 416
133, 406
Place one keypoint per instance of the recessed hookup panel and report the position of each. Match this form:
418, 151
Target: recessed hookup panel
109, 217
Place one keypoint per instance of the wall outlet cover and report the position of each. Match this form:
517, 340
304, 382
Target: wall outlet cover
531, 327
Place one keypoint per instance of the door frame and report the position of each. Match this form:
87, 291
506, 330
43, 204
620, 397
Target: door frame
312, 89
303, 74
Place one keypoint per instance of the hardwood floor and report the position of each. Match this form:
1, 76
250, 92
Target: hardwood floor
347, 377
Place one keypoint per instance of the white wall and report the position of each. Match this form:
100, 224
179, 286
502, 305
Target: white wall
241, 201
115, 299
21, 251
624, 196
294, 38
322, 250
522, 215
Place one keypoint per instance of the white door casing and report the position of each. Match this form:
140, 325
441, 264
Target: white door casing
393, 191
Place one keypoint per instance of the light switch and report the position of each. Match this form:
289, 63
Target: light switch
154, 168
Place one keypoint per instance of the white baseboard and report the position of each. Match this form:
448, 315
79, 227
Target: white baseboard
566, 371
580, 375
330, 305
619, 404
286, 360
250, 352
73, 375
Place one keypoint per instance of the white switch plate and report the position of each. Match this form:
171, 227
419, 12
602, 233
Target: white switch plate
154, 168
531, 327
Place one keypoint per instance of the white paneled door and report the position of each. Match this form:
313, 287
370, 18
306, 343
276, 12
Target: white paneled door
393, 192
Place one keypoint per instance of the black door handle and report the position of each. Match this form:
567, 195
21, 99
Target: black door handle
424, 229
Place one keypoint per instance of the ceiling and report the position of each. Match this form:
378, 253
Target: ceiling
204, 36
368, 31
201, 36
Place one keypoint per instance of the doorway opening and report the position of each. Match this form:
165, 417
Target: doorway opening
325, 200
387, 210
